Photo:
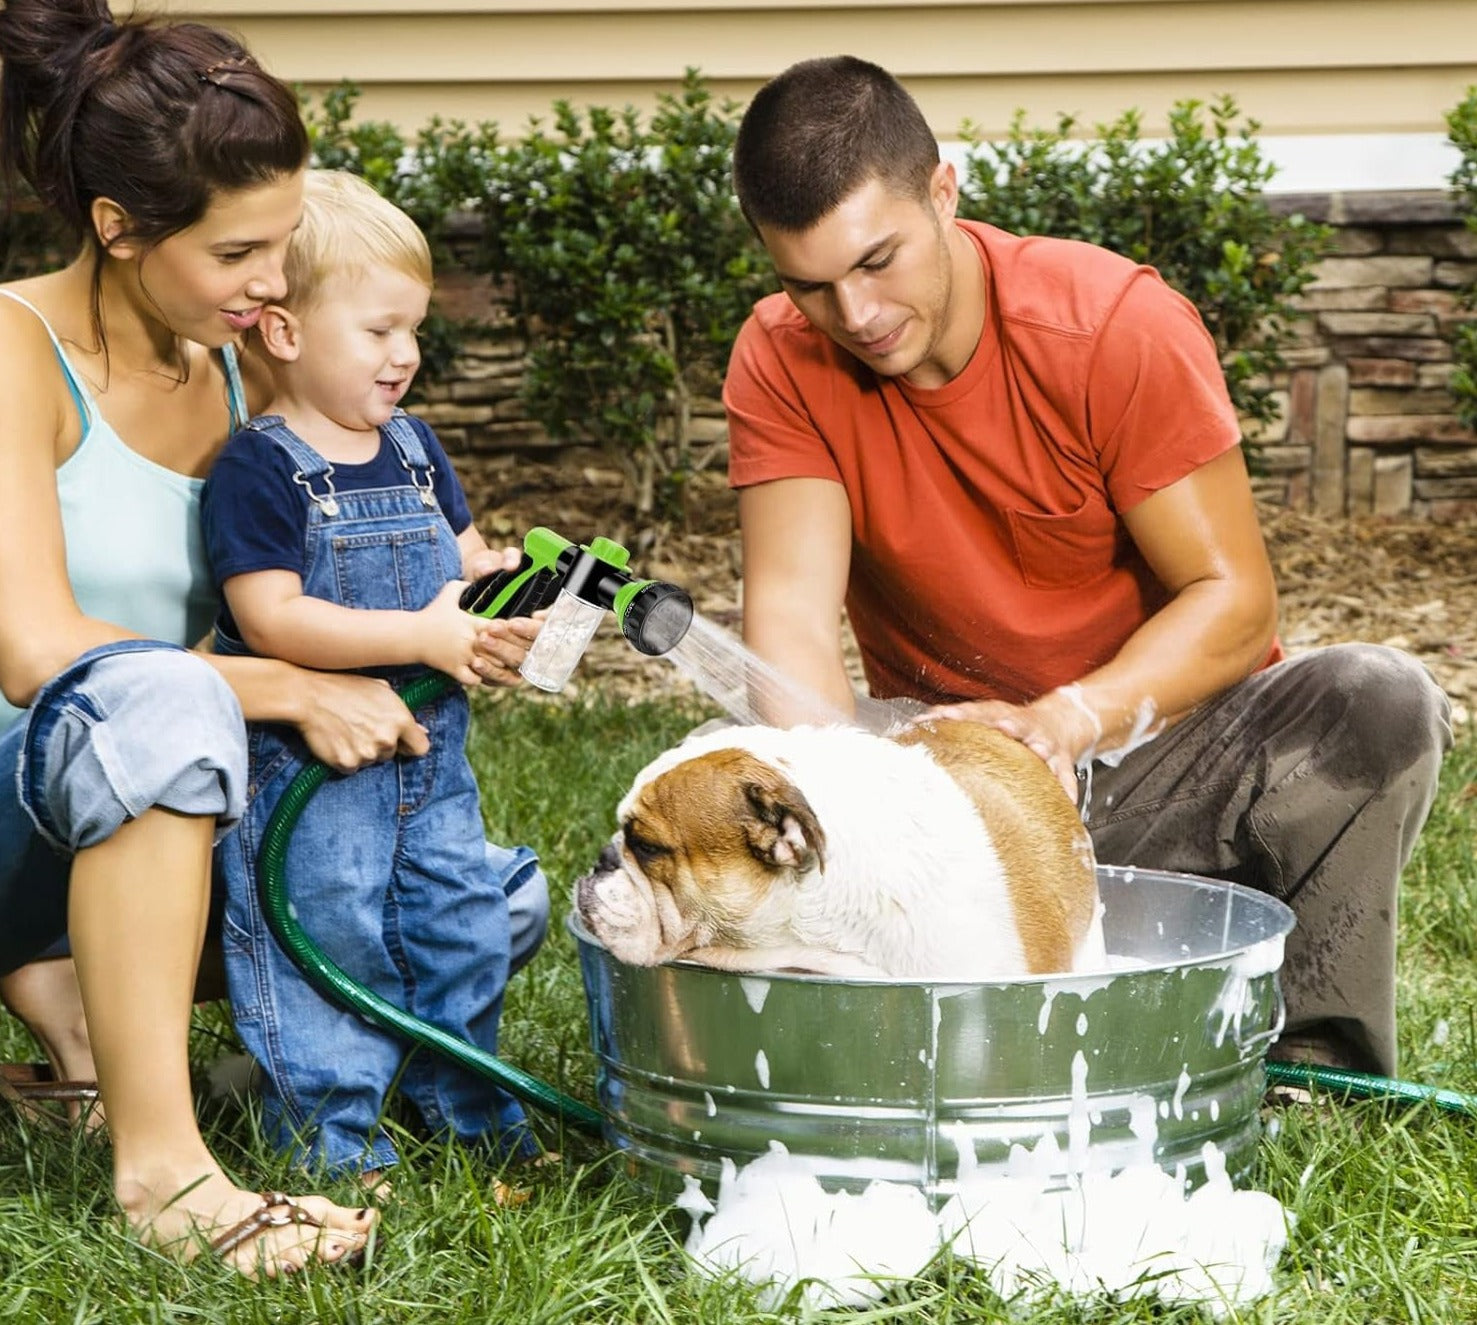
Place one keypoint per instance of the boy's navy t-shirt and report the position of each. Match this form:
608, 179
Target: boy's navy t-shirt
256, 517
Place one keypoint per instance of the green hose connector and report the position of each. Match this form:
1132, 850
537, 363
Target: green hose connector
334, 983
1367, 1086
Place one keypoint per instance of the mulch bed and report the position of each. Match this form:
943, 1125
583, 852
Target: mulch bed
1410, 584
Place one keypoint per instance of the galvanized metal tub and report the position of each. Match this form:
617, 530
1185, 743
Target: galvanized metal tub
890, 1080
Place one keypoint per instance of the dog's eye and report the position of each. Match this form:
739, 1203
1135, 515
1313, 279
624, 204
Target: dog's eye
644, 849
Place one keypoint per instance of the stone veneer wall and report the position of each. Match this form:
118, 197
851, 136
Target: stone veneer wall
1368, 425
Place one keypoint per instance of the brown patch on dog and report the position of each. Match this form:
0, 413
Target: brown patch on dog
1042, 843
718, 831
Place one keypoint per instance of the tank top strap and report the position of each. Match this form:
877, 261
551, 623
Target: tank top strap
82, 398
78, 389
235, 388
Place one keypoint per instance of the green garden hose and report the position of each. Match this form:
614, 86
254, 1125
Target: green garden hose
331, 981
1367, 1086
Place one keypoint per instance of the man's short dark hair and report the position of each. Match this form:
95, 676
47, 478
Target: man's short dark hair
816, 133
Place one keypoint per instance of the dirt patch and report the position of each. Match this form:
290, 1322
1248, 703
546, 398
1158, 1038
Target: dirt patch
1409, 584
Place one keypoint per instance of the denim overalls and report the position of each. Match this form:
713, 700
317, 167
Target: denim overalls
387, 869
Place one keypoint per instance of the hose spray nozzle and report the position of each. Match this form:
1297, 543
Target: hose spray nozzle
579, 584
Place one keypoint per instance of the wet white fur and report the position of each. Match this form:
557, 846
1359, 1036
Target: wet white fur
912, 885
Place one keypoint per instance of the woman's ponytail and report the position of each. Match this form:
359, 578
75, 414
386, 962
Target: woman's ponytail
155, 116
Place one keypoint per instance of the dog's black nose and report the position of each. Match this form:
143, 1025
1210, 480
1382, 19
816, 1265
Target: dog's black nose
610, 859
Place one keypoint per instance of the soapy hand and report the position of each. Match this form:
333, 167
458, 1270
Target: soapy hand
1059, 732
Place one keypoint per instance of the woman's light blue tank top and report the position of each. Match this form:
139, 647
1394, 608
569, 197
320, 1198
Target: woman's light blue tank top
135, 550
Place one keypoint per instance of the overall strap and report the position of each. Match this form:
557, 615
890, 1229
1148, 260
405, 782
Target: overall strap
314, 474
78, 392
412, 452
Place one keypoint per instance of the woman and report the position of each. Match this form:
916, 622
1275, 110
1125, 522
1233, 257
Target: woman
178, 162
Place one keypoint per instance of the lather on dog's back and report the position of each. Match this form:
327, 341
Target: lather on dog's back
949, 852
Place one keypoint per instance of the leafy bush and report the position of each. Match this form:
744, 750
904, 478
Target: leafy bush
429, 179
631, 270
628, 265
1190, 206
1462, 123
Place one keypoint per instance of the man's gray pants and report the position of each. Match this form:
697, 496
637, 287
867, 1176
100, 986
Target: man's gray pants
1310, 781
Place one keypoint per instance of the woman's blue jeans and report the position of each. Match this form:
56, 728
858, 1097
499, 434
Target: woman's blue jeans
138, 724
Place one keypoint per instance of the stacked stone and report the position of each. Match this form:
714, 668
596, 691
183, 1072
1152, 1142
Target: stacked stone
1369, 424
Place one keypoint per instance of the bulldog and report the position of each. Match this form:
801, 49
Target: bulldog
946, 852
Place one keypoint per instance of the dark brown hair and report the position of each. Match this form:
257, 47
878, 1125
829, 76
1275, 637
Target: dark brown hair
157, 116
820, 130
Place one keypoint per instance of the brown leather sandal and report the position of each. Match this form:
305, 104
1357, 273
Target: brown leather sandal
27, 1085
277, 1210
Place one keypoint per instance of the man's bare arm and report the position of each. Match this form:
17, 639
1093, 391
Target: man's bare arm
797, 555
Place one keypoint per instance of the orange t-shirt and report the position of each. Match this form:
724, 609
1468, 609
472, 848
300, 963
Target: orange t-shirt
988, 559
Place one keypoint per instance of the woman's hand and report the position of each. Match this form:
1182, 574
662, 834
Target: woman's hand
503, 645
349, 721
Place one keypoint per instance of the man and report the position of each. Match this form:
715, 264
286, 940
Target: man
1014, 462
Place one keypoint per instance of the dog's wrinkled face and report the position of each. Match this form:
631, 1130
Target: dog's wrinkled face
706, 849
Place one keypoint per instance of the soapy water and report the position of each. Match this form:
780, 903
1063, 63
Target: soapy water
752, 691
1089, 1220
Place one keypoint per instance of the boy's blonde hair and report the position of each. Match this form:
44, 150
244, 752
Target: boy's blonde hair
347, 225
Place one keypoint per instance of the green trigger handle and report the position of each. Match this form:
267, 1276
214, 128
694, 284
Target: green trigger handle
534, 584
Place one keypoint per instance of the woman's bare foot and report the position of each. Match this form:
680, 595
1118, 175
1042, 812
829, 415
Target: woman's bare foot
260, 1235
46, 997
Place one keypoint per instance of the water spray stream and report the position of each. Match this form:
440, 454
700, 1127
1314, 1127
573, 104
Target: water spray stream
752, 691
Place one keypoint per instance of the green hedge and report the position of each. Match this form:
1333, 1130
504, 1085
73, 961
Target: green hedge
1462, 123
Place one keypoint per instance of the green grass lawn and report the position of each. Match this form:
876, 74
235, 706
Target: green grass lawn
1383, 1197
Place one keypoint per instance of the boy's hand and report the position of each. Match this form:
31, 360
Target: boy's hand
489, 560
447, 638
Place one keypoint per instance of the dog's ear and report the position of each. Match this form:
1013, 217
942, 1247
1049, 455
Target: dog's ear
781, 827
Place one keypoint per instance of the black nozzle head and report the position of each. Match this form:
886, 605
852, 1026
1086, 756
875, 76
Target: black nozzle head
657, 617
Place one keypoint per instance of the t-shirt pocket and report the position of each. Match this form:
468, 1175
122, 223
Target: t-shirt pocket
1062, 551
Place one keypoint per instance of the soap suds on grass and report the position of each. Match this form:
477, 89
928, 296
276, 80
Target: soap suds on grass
1134, 1233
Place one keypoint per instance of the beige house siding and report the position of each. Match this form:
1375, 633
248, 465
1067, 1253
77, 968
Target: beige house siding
1298, 66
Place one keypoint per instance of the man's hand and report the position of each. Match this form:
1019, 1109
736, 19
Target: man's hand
1059, 731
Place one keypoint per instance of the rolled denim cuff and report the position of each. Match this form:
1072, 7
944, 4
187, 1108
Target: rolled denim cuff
129, 726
